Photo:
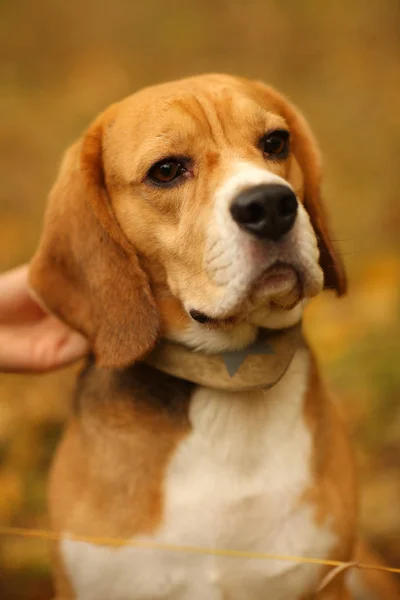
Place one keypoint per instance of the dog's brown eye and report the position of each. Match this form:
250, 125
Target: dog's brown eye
166, 171
276, 144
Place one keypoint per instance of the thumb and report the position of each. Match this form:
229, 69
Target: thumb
40, 347
70, 348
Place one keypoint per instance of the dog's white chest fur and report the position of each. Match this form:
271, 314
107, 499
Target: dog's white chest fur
236, 483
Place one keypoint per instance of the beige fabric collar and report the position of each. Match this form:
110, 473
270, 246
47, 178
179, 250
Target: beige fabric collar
259, 366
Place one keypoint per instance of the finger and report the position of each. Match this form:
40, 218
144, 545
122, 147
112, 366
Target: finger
40, 347
16, 303
73, 348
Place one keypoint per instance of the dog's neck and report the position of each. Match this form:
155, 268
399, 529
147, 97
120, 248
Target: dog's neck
258, 366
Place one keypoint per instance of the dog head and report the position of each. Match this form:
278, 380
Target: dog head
189, 210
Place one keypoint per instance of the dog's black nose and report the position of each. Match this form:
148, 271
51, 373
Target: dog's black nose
267, 211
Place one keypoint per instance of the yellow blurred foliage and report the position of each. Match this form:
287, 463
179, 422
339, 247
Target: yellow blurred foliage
11, 494
373, 303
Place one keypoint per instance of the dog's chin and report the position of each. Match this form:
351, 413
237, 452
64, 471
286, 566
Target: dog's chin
275, 301
280, 286
275, 317
278, 298
234, 333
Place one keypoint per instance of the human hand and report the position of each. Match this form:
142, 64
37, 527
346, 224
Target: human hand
30, 338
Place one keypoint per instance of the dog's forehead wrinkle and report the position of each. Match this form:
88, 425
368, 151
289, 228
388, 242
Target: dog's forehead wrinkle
216, 106
206, 126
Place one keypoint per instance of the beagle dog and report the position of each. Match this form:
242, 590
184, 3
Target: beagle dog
184, 234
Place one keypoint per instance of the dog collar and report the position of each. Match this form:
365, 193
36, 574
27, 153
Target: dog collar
258, 366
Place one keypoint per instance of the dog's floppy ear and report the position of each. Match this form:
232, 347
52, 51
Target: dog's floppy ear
306, 152
85, 271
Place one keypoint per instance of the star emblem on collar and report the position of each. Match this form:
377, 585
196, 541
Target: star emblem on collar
235, 358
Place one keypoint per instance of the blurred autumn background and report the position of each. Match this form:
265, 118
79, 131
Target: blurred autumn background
62, 62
